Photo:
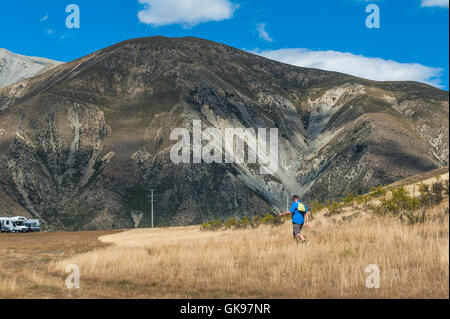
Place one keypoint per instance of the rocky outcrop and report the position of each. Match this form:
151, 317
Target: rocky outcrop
82, 144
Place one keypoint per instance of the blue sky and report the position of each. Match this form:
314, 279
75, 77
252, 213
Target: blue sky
412, 42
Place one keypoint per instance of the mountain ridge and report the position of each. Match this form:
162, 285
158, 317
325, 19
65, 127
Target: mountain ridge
96, 130
15, 67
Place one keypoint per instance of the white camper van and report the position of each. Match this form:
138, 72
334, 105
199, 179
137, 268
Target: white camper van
13, 224
5, 225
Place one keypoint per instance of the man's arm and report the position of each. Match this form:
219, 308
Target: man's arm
283, 214
291, 211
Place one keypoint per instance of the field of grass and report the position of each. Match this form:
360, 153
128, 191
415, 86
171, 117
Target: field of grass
262, 262
24, 260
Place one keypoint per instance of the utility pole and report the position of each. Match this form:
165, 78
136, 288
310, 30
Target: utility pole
287, 203
151, 194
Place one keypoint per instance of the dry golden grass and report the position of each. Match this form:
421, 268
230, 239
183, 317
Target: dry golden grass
185, 262
24, 260
267, 263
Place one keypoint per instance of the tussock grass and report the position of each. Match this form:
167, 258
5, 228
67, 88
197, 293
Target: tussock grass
267, 263
24, 260
8, 284
262, 262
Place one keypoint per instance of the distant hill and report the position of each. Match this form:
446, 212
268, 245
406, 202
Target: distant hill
16, 67
83, 142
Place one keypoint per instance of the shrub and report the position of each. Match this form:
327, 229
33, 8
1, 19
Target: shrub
425, 195
349, 198
436, 195
256, 221
277, 220
412, 218
362, 199
316, 206
423, 188
267, 219
377, 210
216, 224
400, 201
244, 222
231, 222
377, 191
334, 207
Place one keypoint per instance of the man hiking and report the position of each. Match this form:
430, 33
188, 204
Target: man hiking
299, 216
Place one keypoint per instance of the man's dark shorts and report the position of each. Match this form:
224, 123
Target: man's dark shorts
297, 228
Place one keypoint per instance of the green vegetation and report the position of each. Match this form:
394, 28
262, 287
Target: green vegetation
392, 200
333, 208
430, 197
399, 201
242, 223
316, 206
401, 204
349, 198
377, 191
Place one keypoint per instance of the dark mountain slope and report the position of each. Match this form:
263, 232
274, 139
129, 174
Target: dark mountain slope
81, 144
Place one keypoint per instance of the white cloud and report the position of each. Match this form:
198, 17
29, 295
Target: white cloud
261, 28
185, 12
435, 3
365, 67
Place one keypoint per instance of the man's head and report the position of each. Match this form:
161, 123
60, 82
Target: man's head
295, 198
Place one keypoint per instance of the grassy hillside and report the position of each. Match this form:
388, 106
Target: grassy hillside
409, 245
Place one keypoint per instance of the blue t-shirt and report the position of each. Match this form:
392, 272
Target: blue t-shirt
297, 217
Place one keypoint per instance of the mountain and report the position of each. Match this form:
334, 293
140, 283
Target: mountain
15, 67
82, 144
